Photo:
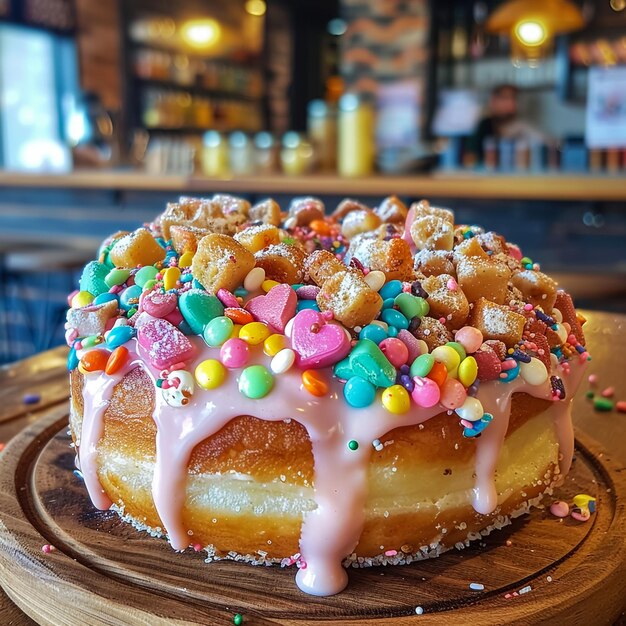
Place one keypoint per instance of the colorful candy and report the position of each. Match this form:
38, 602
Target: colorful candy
117, 359
254, 333
275, 308
274, 344
411, 306
217, 331
210, 374
390, 289
254, 279
164, 343
283, 361
422, 365
117, 276
453, 394
93, 361
198, 308
375, 279
470, 338
534, 372
159, 304
313, 381
145, 274
438, 373
448, 356
186, 259
394, 318
358, 392
396, 399
235, 353
255, 382
395, 350
81, 299
468, 371
374, 332
426, 392
170, 277
471, 409
368, 361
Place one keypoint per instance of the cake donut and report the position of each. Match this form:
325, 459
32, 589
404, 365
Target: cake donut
374, 386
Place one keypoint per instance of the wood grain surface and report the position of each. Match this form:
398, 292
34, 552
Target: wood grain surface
103, 571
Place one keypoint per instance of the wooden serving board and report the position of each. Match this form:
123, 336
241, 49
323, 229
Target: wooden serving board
105, 572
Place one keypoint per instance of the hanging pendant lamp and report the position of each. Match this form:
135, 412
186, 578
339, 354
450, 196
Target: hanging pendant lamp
532, 25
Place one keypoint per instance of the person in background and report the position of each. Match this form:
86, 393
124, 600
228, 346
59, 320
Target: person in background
502, 121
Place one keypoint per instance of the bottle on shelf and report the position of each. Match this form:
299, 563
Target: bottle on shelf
356, 146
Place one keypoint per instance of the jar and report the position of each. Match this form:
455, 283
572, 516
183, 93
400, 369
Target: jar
297, 155
356, 147
241, 154
214, 154
265, 157
322, 130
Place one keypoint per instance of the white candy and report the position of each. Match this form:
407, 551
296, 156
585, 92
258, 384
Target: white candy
289, 327
471, 410
534, 373
282, 361
179, 396
375, 279
254, 279
554, 361
423, 346
291, 222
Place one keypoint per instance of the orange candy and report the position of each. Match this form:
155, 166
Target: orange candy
314, 383
94, 360
117, 359
239, 316
438, 373
320, 227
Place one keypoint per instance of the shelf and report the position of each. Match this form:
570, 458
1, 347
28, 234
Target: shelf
171, 85
560, 187
251, 63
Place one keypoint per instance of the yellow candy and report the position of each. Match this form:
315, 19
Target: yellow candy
266, 285
274, 344
396, 399
81, 299
235, 332
448, 356
170, 278
185, 259
210, 374
254, 333
468, 370
582, 500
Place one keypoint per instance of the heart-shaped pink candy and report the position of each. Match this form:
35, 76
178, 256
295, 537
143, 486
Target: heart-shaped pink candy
316, 343
275, 308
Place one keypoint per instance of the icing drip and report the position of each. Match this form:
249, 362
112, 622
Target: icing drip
331, 531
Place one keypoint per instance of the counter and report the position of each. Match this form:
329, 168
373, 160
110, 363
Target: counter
464, 185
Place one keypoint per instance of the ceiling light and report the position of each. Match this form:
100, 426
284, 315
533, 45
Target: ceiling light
201, 33
256, 7
337, 27
530, 33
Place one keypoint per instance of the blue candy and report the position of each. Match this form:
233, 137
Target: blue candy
358, 392
390, 289
510, 374
105, 297
72, 360
307, 304
478, 426
388, 303
394, 318
374, 332
119, 335
129, 298
392, 331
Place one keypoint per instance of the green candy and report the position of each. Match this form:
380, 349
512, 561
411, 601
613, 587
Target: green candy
198, 308
343, 370
603, 404
145, 275
255, 382
116, 277
422, 365
93, 278
368, 361
149, 285
411, 306
455, 345
217, 331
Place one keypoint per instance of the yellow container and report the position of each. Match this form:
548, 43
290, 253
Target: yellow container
297, 155
215, 154
356, 145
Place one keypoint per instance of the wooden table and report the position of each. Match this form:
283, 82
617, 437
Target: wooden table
46, 376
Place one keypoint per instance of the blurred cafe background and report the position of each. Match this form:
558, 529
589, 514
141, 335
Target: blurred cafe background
510, 112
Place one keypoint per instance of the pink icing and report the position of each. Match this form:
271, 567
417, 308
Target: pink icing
331, 531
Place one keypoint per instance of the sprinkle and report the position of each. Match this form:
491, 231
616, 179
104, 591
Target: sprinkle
353, 445
419, 610
197, 547
238, 619
31, 398
609, 392
452, 285
47, 548
549, 579
509, 543
477, 586
593, 379
621, 406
